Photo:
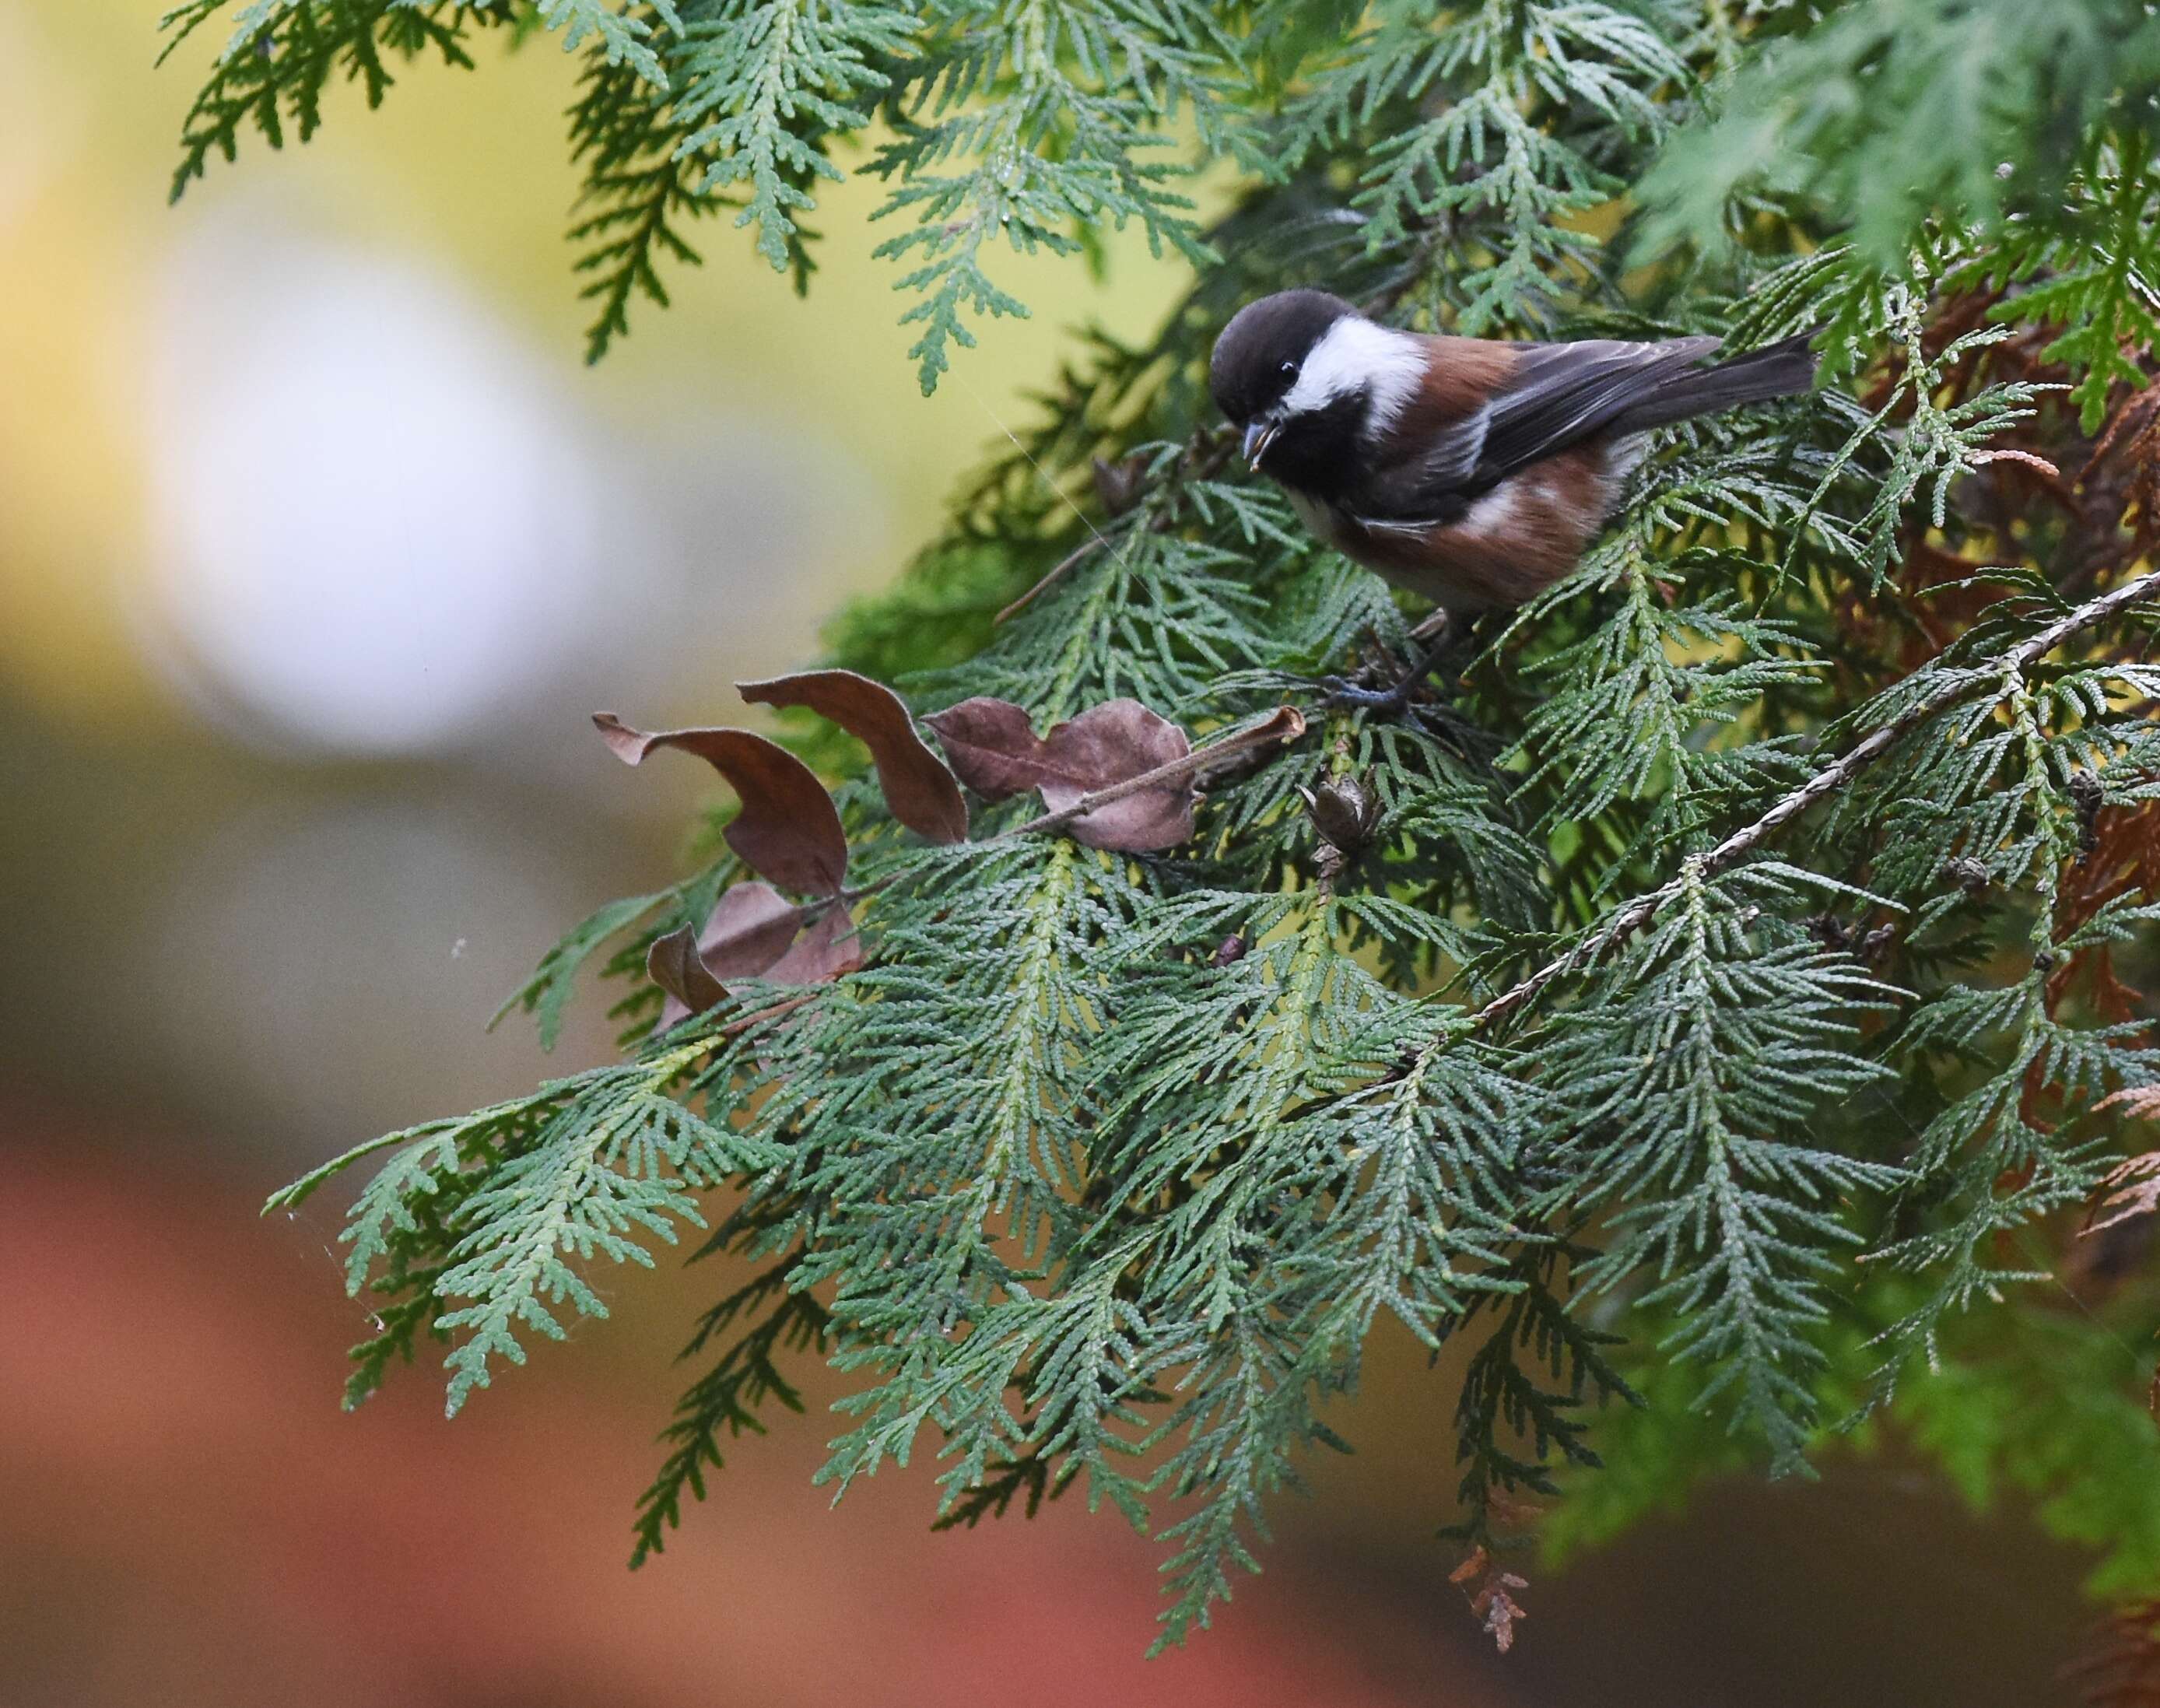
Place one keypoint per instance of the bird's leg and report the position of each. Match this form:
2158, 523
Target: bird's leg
1434, 624
1436, 637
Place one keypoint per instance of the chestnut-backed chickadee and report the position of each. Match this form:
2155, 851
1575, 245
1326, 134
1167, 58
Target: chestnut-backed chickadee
1471, 472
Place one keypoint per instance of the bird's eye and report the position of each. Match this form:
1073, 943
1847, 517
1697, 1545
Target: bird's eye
1290, 367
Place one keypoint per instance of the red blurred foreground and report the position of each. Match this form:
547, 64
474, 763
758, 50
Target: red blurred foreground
188, 1519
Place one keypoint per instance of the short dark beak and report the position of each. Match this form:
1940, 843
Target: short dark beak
1258, 436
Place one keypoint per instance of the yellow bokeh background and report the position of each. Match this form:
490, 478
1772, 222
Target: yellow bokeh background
469, 173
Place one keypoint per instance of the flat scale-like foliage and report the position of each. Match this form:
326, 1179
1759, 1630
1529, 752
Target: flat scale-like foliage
1722, 1000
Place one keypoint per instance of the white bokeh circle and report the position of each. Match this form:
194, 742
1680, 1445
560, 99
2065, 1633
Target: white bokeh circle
376, 521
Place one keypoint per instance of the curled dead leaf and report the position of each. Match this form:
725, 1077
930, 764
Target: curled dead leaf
920, 792
1284, 724
995, 749
788, 829
749, 930
753, 933
829, 947
2131, 1189
673, 963
1113, 743
991, 745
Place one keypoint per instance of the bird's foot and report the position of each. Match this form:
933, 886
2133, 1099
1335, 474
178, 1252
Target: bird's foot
1343, 691
1439, 640
1394, 700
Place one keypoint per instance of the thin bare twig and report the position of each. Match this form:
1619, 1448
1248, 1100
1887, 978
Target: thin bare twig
1283, 724
735, 1027
1827, 781
1064, 566
1206, 448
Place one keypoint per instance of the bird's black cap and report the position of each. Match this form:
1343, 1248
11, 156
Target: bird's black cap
1256, 358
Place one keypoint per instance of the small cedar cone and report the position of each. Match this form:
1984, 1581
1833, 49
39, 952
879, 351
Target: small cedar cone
1343, 810
2086, 794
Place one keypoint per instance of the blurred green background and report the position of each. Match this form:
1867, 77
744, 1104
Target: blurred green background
317, 544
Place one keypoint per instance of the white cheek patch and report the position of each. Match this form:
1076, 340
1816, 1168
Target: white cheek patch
1355, 355
1318, 518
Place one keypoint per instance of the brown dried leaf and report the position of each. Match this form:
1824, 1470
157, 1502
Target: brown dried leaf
788, 829
2132, 1189
673, 963
918, 788
991, 745
1474, 1566
996, 752
748, 931
828, 948
752, 934
1110, 744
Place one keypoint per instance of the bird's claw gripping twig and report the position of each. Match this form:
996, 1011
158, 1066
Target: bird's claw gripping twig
1341, 691
1439, 641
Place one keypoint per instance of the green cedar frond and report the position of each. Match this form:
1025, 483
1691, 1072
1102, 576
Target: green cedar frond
488, 1210
620, 35
727, 1396
1689, 1064
2105, 280
547, 994
764, 85
282, 54
1512, 1431
638, 194
1949, 87
1716, 995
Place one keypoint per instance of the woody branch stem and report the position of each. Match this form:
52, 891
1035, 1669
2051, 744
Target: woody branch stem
1823, 783
1284, 725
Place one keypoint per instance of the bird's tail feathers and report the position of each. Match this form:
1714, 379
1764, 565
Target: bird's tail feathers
1779, 370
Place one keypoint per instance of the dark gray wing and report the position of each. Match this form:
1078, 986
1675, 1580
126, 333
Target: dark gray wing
1562, 393
1559, 395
